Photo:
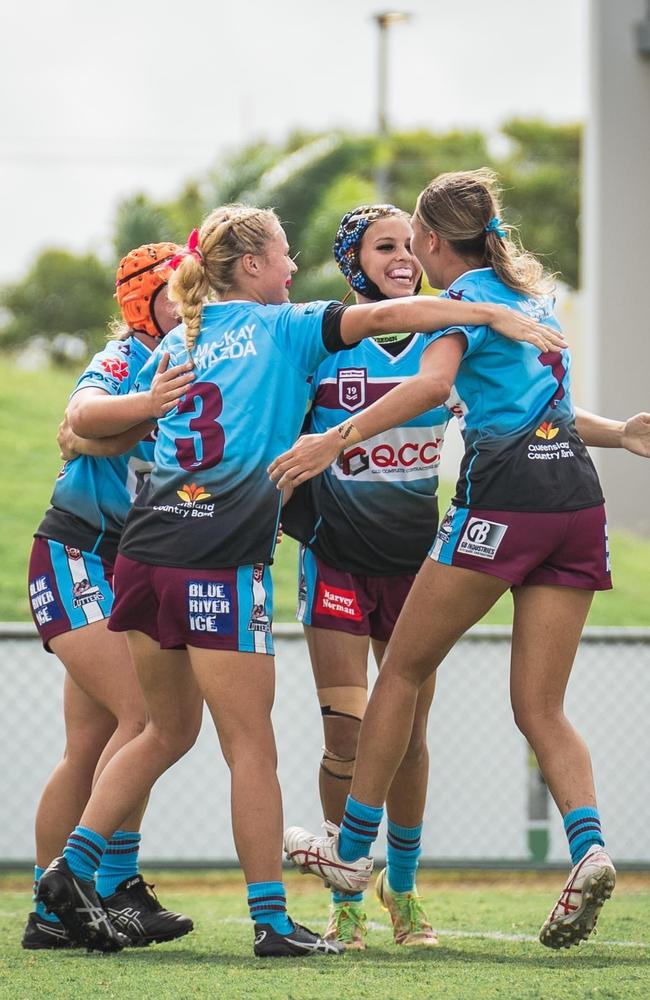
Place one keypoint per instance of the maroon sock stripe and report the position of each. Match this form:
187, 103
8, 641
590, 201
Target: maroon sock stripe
585, 829
403, 843
95, 858
371, 824
585, 819
348, 826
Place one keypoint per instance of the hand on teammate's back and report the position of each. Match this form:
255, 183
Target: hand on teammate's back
515, 325
168, 385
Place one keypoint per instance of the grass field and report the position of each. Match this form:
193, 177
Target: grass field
488, 948
31, 406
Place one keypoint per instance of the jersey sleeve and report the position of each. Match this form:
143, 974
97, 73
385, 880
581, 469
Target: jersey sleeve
475, 336
306, 334
112, 370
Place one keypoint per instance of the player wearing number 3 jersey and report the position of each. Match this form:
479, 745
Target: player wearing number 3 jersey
193, 565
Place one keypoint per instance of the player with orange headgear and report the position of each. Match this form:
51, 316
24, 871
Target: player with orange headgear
141, 278
71, 595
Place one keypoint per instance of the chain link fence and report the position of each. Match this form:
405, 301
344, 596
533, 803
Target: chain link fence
487, 803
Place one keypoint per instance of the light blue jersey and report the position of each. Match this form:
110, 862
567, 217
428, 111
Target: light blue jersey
375, 508
92, 496
209, 501
522, 449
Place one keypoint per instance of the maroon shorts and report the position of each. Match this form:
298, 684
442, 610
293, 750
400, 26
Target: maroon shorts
229, 609
68, 588
560, 549
347, 602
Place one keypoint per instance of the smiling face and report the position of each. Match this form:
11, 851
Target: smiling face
386, 257
276, 268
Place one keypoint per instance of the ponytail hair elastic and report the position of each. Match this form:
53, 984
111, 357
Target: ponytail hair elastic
494, 226
191, 249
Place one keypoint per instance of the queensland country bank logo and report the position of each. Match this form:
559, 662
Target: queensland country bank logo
192, 497
547, 431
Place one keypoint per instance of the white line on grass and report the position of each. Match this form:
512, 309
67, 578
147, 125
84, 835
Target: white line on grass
489, 935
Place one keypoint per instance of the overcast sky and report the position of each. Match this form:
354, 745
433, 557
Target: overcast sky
98, 101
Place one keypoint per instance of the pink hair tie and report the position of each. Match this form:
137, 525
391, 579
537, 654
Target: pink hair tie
190, 250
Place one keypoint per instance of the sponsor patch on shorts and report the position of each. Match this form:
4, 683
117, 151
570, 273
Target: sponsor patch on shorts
45, 606
446, 525
259, 620
481, 538
210, 607
338, 602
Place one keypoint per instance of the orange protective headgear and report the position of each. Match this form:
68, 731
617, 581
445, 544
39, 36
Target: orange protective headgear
140, 277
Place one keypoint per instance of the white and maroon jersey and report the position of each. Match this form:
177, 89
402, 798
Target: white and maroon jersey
375, 510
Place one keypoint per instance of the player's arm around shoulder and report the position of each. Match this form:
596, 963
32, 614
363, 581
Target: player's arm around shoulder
427, 312
99, 412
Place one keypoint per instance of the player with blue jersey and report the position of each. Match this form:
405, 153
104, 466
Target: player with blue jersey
193, 567
71, 596
528, 515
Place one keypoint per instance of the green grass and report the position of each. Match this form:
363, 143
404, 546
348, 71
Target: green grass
471, 963
30, 409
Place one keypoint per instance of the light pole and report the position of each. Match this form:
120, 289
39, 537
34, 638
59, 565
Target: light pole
384, 20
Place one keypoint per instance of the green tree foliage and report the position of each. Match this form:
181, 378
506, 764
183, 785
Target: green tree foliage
140, 220
417, 157
311, 180
61, 293
541, 180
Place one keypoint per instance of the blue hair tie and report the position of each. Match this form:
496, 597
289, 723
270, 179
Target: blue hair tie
494, 226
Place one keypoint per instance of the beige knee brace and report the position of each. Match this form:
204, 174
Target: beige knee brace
341, 703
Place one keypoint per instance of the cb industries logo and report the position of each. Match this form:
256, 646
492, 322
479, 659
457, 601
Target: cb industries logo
482, 538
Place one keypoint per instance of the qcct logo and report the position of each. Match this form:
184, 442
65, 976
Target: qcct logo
386, 456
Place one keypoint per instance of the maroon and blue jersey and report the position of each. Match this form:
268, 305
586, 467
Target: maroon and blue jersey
522, 450
92, 496
209, 501
375, 508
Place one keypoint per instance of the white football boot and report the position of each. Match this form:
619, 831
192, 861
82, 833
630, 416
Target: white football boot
320, 856
574, 916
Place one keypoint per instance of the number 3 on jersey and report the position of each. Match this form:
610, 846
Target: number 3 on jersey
205, 448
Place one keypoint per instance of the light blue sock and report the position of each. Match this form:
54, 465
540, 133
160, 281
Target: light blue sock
347, 897
267, 902
39, 908
402, 855
83, 852
359, 829
582, 827
119, 862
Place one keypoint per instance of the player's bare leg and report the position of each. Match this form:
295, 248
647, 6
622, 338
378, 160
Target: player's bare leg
174, 708
548, 622
239, 689
103, 710
443, 603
